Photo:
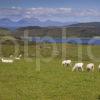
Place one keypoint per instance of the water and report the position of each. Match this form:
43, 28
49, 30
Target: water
93, 41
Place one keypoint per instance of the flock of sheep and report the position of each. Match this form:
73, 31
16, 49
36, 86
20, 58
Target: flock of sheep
79, 66
11, 59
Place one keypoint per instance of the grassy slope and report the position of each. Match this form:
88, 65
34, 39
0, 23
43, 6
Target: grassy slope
21, 81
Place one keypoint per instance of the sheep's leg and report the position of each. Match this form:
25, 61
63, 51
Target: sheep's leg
73, 69
82, 69
93, 68
67, 64
88, 69
63, 65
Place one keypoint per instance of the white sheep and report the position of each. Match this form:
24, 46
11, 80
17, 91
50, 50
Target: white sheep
6, 60
90, 67
66, 62
78, 66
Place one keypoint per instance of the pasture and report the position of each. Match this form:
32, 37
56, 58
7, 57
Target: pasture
21, 81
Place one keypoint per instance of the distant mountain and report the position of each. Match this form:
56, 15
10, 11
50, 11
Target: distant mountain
31, 22
28, 22
5, 22
88, 24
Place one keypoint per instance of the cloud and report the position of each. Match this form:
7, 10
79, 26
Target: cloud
17, 13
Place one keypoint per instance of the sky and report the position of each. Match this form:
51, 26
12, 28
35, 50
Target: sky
57, 10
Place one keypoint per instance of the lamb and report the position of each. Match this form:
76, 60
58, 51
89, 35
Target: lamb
6, 60
78, 66
90, 67
66, 62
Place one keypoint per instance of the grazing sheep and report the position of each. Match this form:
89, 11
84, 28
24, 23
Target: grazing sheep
6, 60
78, 66
90, 67
66, 62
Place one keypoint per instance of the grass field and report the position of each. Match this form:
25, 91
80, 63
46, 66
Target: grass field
21, 81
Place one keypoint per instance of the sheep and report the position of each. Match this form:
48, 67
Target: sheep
90, 67
6, 60
66, 62
78, 66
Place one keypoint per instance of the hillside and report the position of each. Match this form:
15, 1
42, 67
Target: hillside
89, 24
5, 31
75, 30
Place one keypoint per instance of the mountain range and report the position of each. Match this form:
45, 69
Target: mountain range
7, 23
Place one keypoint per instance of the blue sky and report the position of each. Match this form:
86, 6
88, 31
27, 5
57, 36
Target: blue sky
51, 3
61, 10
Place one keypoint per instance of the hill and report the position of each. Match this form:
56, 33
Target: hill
76, 30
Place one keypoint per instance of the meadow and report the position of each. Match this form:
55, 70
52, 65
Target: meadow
21, 80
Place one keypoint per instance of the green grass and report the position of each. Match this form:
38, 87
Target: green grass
21, 81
